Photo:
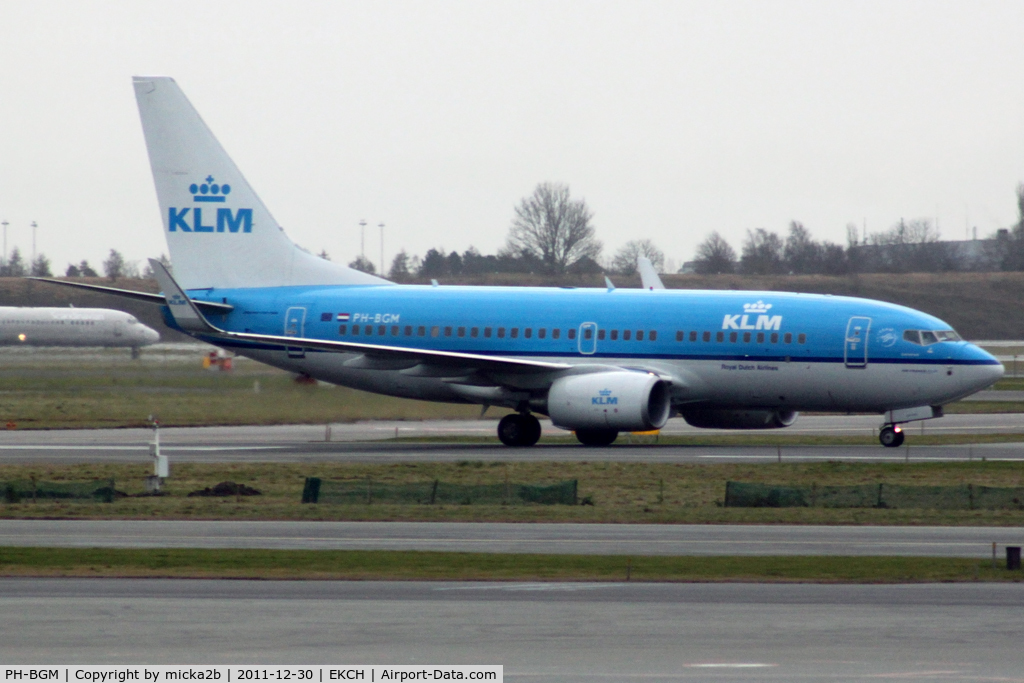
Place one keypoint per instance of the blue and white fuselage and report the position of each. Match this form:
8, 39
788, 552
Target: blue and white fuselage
736, 350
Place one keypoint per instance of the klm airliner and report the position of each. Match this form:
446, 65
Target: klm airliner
596, 361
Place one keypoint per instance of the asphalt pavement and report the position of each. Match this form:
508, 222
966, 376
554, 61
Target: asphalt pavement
584, 539
539, 632
375, 442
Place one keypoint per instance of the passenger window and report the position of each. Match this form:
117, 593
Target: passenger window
341, 329
588, 333
408, 330
382, 330
555, 333
487, 332
541, 333
368, 330
680, 335
615, 335
801, 338
355, 329
475, 332
788, 338
626, 334
435, 331
775, 338
639, 335
394, 330
653, 336
928, 338
447, 331
501, 333
693, 336
571, 333
746, 337
421, 331
760, 337
462, 331
733, 336
720, 336
514, 332
600, 334
528, 332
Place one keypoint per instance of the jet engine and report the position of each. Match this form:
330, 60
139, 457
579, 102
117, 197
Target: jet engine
616, 400
740, 419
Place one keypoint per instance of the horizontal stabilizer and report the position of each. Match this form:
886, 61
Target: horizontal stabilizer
208, 306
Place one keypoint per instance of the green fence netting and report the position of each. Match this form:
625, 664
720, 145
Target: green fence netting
367, 491
894, 496
22, 490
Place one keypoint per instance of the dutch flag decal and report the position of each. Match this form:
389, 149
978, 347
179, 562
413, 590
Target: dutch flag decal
343, 317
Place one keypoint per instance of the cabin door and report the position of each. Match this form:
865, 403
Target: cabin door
856, 346
587, 340
295, 326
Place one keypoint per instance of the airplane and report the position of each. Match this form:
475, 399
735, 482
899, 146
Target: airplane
596, 361
28, 326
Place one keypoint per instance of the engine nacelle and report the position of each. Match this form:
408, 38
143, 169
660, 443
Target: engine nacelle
740, 419
619, 400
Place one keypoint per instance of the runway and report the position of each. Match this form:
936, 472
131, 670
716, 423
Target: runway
374, 442
551, 633
583, 539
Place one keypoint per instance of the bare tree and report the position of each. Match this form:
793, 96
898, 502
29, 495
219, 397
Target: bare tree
41, 267
113, 267
553, 228
714, 256
364, 264
624, 260
762, 253
400, 267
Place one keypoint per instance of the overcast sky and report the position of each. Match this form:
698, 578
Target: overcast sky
672, 119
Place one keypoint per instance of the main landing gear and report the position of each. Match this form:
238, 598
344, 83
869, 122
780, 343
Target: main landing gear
891, 436
519, 429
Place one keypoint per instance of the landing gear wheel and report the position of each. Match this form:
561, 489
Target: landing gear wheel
890, 438
596, 437
519, 430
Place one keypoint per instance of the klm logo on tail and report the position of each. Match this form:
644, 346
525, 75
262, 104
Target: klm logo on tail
191, 219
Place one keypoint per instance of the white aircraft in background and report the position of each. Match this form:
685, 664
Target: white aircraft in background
27, 326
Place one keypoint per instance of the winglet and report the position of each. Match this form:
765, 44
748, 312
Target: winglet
186, 314
608, 283
648, 276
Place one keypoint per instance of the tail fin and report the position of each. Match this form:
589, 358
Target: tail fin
648, 275
218, 231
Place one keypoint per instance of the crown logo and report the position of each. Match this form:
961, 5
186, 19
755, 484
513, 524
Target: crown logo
759, 307
209, 191
605, 392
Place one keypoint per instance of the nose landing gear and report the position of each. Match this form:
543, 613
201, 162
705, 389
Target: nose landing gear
519, 430
891, 436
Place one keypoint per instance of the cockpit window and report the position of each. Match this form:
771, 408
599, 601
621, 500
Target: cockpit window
929, 337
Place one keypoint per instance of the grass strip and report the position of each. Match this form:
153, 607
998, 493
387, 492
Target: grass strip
446, 566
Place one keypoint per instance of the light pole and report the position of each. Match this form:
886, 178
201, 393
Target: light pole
381, 226
5, 224
362, 238
34, 226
